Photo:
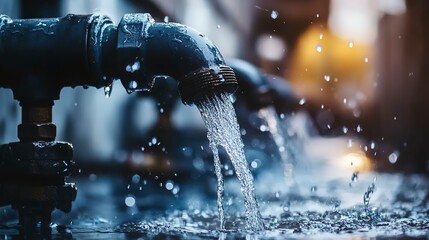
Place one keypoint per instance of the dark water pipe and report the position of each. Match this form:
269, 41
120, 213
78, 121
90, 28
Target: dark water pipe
261, 90
38, 57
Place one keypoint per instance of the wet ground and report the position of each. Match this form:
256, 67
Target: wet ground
330, 207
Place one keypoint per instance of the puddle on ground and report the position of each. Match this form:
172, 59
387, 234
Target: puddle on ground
328, 207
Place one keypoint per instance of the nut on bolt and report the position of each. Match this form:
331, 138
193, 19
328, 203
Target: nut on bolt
37, 131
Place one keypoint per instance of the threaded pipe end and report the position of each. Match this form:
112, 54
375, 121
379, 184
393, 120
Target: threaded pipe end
206, 81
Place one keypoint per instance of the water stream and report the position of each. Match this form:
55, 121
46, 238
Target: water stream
219, 116
280, 138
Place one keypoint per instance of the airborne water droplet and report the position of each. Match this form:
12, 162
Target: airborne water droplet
393, 157
132, 85
319, 48
130, 201
108, 91
169, 185
274, 14
355, 176
133, 67
327, 78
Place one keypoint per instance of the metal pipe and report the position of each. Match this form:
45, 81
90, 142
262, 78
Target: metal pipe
38, 57
261, 90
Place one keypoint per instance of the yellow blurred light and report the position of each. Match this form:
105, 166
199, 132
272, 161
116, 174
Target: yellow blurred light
357, 160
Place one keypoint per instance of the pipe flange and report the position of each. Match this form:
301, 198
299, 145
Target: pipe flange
60, 196
37, 159
132, 31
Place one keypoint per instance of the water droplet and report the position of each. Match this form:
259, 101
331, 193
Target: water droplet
319, 48
366, 59
254, 164
359, 128
355, 176
321, 36
221, 79
393, 157
327, 78
317, 15
135, 178
132, 85
166, 19
274, 14
108, 91
243, 132
142, 148
130, 201
75, 104
169, 185
351, 44
161, 110
92, 177
218, 26
264, 128
313, 189
367, 195
349, 143
322, 106
302, 101
372, 145
175, 190
133, 67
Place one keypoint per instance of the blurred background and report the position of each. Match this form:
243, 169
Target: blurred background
358, 69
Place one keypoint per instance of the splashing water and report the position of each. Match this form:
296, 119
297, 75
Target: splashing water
367, 195
219, 116
286, 153
108, 91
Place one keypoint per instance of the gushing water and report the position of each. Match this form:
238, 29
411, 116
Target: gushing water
286, 153
219, 116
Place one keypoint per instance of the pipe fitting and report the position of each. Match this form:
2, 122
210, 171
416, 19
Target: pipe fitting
147, 49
